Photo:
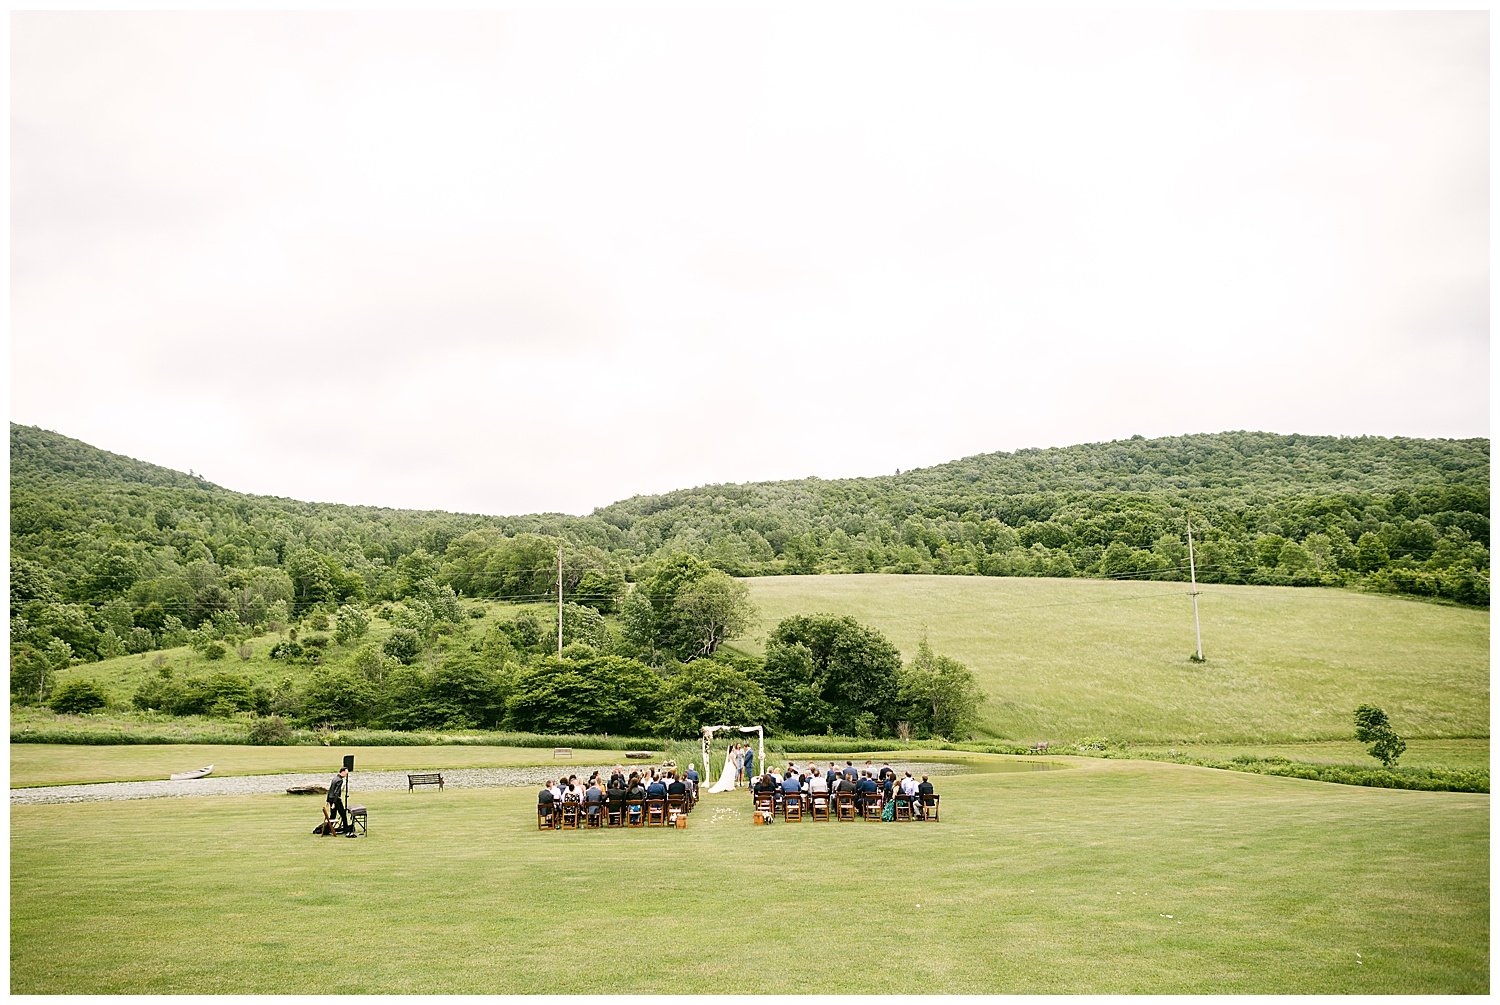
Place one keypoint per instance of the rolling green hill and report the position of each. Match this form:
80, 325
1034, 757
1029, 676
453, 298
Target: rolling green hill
1068, 659
113, 556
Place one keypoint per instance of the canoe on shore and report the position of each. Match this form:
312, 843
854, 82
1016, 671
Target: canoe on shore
195, 773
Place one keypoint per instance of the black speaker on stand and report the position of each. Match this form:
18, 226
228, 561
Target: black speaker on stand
359, 817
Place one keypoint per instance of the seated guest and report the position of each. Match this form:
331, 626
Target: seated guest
675, 785
636, 793
557, 789
816, 782
924, 789
866, 792
593, 797
850, 772
692, 775
546, 802
791, 783
616, 800
657, 789
617, 780
908, 785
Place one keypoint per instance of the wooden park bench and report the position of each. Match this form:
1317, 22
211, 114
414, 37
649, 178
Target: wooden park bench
561, 752
1039, 747
434, 778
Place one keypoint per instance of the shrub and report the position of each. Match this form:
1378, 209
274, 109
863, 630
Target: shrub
214, 651
353, 623
78, 696
270, 730
403, 645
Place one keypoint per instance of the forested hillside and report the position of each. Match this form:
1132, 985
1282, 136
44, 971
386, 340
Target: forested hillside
111, 555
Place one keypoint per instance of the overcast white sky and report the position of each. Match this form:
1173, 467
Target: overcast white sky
509, 263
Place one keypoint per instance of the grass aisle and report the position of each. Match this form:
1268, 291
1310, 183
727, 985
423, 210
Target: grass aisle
1112, 877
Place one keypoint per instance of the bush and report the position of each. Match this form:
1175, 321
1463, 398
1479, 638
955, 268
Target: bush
270, 730
403, 645
78, 696
286, 650
214, 651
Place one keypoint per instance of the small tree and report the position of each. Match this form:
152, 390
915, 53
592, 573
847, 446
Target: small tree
1371, 726
353, 623
78, 696
403, 644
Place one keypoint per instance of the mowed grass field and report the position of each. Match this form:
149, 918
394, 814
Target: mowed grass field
1063, 659
70, 764
1106, 876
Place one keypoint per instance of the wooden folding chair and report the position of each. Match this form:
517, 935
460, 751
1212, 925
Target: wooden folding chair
873, 806
765, 804
570, 816
656, 812
676, 807
818, 806
930, 807
844, 804
546, 816
635, 812
791, 807
615, 812
903, 807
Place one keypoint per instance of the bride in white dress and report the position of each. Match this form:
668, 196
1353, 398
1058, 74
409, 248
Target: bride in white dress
726, 780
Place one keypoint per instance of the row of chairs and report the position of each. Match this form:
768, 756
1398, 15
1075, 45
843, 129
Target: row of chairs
842, 806
613, 813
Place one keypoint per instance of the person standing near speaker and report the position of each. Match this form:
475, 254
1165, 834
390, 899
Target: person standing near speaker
336, 799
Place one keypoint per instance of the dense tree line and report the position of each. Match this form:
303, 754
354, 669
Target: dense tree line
111, 555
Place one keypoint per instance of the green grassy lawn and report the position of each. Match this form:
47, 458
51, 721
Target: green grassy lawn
1419, 753
66, 764
1114, 876
1062, 659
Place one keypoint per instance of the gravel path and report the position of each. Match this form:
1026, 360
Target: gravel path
364, 781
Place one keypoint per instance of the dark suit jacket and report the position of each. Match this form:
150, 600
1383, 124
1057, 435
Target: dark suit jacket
791, 784
924, 788
544, 798
656, 790
677, 788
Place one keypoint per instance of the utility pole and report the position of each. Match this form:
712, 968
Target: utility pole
1193, 576
559, 600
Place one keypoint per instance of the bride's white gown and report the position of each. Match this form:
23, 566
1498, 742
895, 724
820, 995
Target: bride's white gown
726, 780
